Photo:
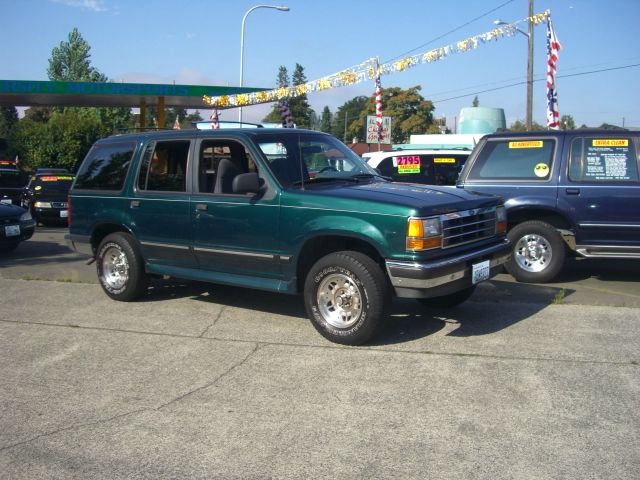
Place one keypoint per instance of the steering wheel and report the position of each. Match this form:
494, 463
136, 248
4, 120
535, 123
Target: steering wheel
328, 169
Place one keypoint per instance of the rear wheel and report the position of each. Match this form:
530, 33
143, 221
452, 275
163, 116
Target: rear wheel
121, 268
538, 252
345, 295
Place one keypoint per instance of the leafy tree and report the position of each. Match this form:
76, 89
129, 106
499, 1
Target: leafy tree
325, 120
567, 122
8, 120
520, 126
410, 113
71, 61
38, 114
346, 118
475, 102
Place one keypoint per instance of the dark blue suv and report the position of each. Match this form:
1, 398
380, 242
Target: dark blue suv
565, 192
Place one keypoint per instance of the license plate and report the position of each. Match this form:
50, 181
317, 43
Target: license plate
6, 201
480, 271
64, 213
12, 230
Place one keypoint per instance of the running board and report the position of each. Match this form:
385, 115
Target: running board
591, 251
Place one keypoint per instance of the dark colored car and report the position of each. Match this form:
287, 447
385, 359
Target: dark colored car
283, 210
46, 197
16, 225
566, 192
12, 184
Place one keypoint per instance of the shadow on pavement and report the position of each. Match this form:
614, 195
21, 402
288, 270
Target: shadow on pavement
407, 319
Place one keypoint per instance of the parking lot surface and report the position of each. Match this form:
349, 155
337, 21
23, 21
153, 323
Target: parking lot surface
202, 381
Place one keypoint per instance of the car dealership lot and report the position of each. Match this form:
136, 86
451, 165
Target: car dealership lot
203, 381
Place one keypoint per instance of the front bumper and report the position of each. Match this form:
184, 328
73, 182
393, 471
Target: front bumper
440, 277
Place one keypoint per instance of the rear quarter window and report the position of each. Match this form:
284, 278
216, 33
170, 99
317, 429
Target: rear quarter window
105, 167
513, 159
603, 160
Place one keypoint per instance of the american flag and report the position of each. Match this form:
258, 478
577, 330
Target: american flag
553, 47
378, 105
215, 124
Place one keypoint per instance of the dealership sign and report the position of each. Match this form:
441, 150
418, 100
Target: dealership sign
372, 130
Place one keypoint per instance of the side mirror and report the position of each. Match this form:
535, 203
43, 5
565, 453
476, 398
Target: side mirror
246, 183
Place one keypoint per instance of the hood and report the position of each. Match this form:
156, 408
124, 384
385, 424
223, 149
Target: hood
423, 199
10, 210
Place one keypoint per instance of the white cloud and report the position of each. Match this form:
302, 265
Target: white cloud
95, 5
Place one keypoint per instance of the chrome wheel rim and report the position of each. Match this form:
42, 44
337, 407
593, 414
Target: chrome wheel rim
340, 301
115, 268
533, 253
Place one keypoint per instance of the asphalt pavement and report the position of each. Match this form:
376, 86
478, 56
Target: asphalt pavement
202, 381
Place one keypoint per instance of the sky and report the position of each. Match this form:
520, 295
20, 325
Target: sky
197, 42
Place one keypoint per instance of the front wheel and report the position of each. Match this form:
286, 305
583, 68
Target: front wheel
121, 268
345, 294
538, 252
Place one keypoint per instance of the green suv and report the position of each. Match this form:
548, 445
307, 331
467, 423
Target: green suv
284, 210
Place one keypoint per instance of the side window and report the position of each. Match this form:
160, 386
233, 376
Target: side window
219, 162
603, 160
164, 166
105, 167
515, 160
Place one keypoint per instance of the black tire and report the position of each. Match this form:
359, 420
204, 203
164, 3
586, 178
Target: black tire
448, 301
538, 252
345, 295
121, 268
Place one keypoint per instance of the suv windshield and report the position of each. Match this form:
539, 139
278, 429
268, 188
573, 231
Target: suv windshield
308, 158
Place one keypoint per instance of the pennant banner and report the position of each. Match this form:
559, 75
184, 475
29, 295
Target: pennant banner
368, 69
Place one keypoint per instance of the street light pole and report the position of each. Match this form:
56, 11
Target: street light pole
530, 70
275, 7
529, 35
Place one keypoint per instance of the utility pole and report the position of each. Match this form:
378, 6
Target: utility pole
529, 120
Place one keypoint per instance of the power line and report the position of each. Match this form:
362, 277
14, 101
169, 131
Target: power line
449, 32
536, 80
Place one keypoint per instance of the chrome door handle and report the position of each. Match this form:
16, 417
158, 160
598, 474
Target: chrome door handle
572, 191
135, 203
201, 207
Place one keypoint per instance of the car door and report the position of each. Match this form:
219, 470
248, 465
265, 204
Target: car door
234, 234
160, 207
602, 188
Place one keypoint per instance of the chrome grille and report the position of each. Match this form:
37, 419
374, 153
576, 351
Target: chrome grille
59, 204
468, 226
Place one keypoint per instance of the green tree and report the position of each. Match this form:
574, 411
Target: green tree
325, 120
475, 102
8, 121
298, 105
70, 61
567, 122
520, 126
410, 113
38, 114
345, 120
282, 80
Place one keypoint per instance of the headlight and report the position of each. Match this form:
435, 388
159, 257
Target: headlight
26, 216
424, 233
43, 204
501, 219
